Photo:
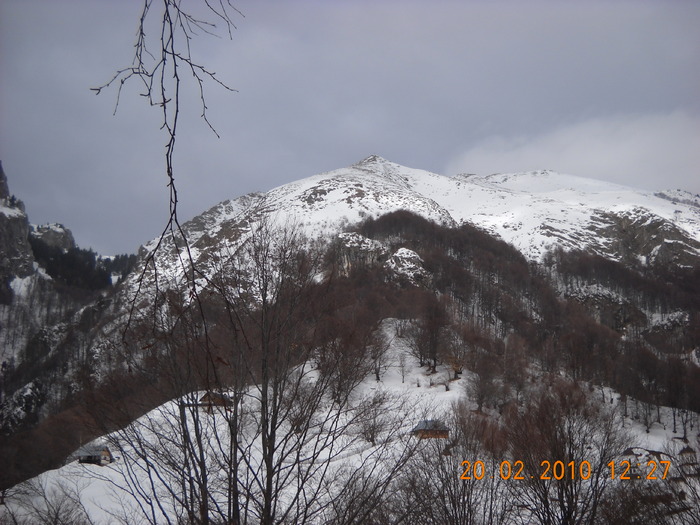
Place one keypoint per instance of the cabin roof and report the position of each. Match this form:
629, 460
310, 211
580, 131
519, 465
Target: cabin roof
215, 396
430, 424
91, 450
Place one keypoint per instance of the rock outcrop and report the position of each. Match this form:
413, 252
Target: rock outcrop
55, 235
15, 253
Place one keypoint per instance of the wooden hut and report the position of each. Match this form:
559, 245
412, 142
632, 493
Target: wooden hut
95, 454
431, 429
210, 400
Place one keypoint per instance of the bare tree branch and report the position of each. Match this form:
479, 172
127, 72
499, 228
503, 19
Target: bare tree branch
159, 75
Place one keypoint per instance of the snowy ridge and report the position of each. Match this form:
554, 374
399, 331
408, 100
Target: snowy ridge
369, 188
534, 211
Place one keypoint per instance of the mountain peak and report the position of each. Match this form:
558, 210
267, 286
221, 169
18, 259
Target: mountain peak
381, 167
535, 211
372, 159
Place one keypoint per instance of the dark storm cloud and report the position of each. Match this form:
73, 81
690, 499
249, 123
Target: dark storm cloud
599, 89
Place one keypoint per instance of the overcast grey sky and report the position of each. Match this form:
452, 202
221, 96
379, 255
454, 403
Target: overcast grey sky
602, 89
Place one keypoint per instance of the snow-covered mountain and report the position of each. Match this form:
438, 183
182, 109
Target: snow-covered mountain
415, 295
534, 211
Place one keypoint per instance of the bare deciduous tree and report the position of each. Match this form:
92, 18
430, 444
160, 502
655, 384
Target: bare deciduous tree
40, 501
272, 450
378, 346
439, 488
563, 426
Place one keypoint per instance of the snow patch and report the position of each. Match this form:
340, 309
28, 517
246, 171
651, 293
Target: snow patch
407, 263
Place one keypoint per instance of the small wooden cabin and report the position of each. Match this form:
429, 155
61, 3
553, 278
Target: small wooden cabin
94, 454
431, 429
213, 399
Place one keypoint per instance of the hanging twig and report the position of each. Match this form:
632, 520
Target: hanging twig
160, 77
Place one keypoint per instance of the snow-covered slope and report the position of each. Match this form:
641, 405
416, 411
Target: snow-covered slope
103, 493
534, 211
321, 206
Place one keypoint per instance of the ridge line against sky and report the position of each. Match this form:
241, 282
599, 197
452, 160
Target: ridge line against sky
601, 89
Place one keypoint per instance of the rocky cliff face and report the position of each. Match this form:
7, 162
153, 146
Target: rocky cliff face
15, 253
640, 237
54, 235
4, 188
36, 316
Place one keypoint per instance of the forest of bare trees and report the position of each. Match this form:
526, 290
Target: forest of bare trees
283, 339
283, 353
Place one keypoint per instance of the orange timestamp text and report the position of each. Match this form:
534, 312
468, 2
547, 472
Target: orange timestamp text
560, 470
